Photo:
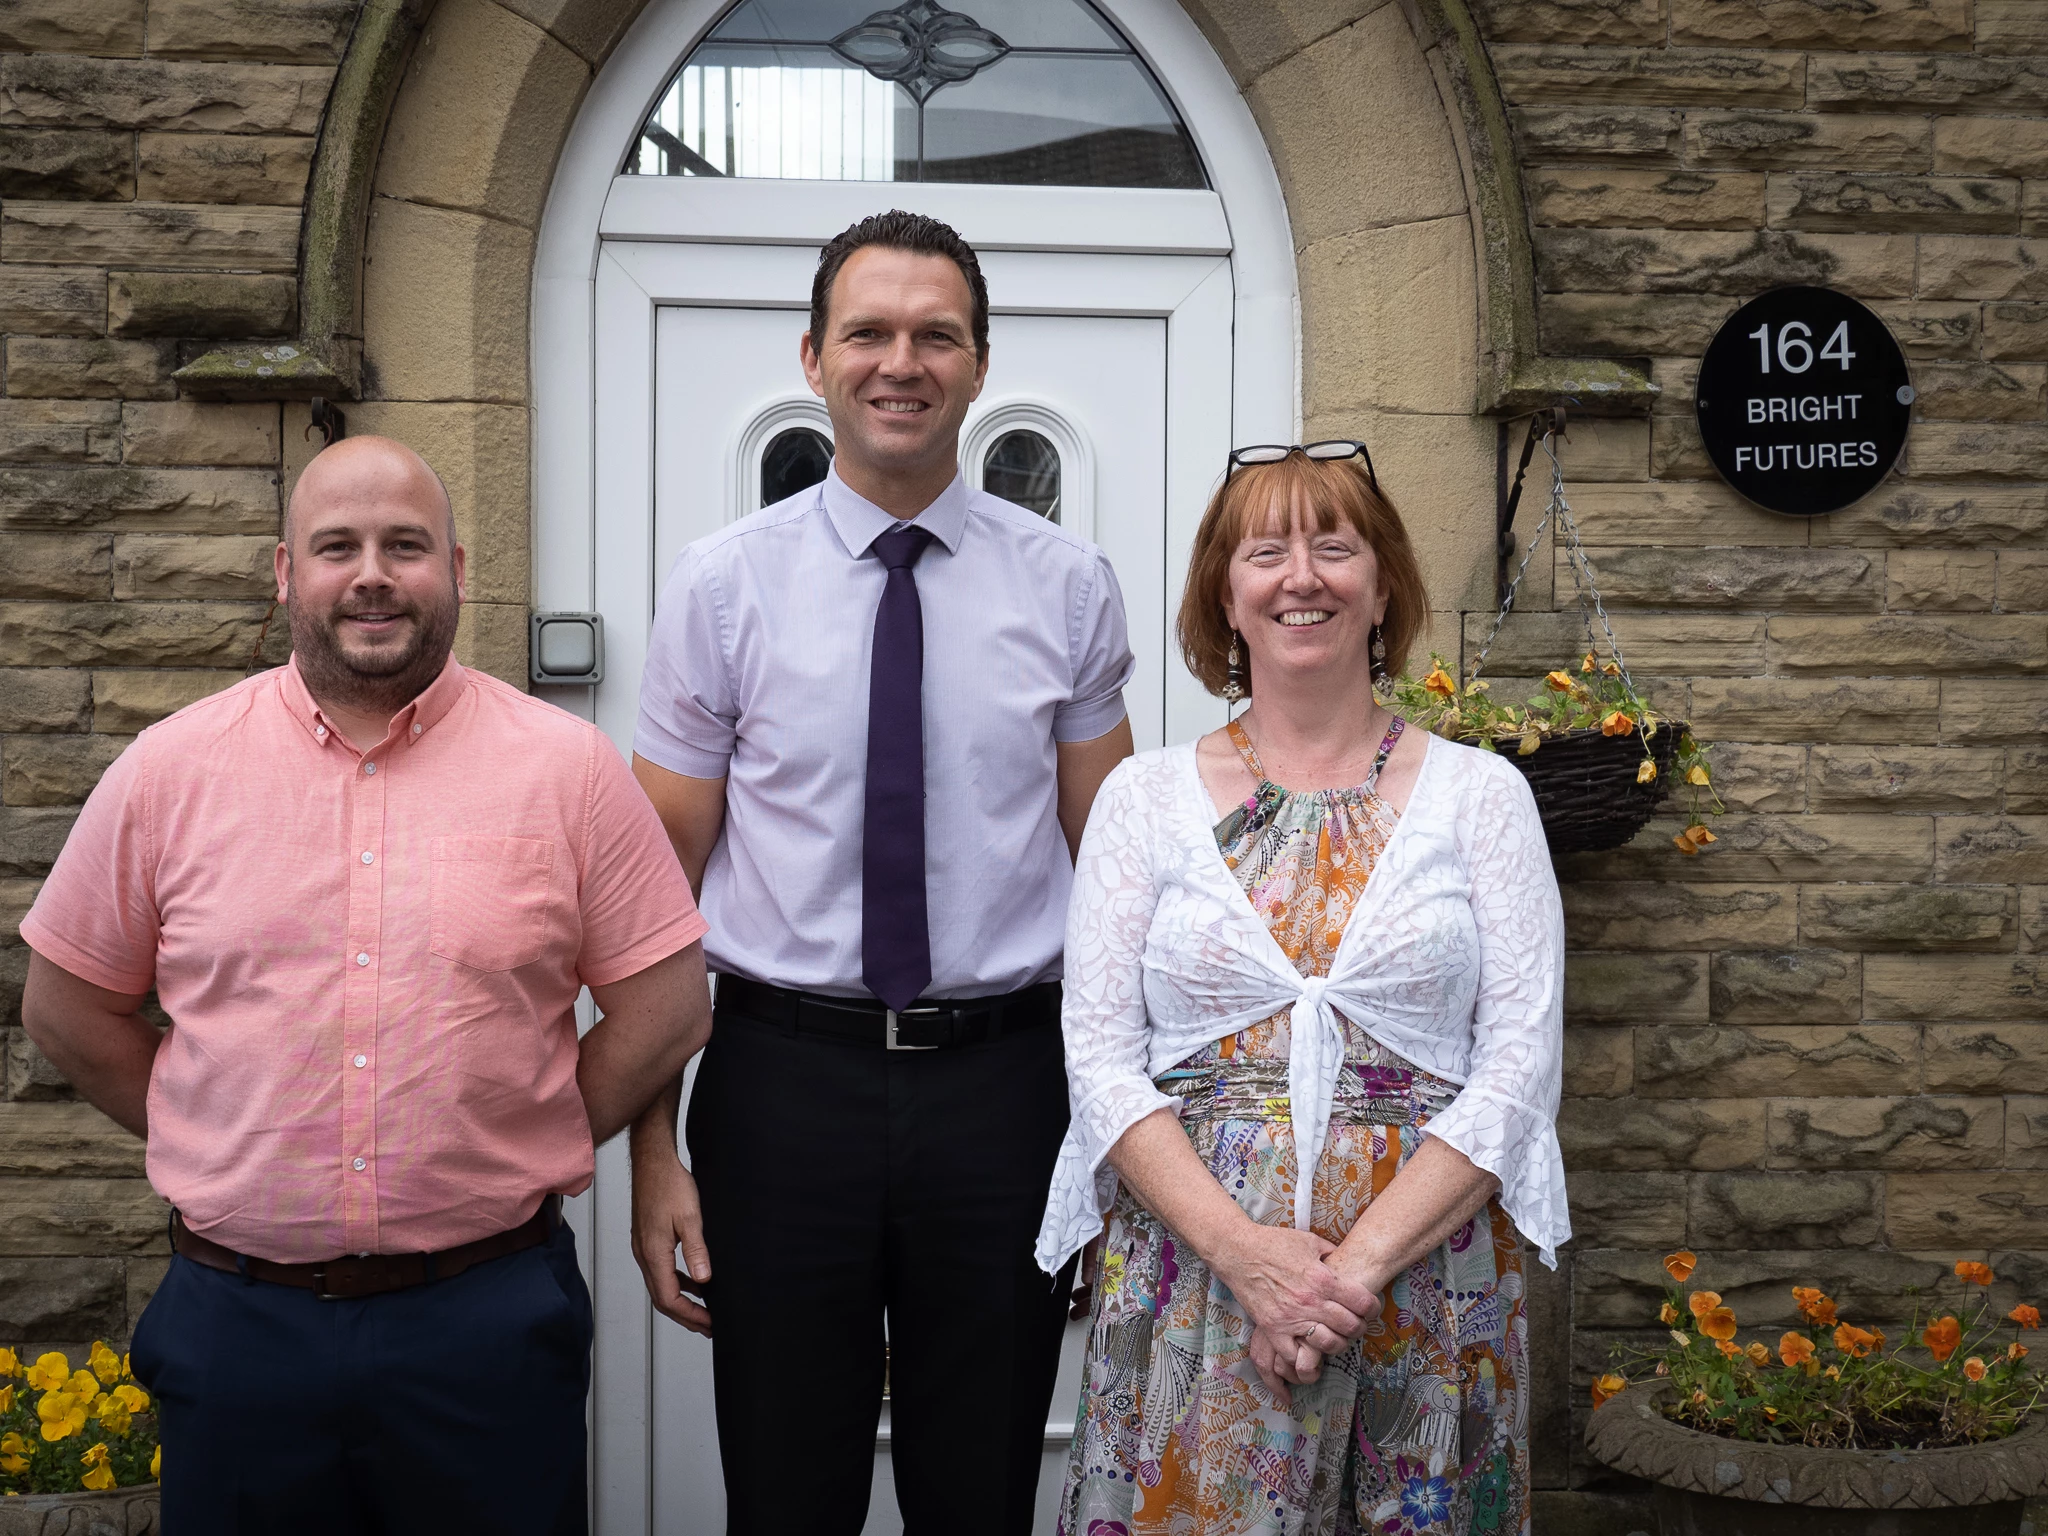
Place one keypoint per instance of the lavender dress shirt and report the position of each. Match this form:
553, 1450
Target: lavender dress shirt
757, 671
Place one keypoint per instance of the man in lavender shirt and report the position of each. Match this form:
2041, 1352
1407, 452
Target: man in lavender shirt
873, 719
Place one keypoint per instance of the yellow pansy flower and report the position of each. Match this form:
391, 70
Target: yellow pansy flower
113, 1416
7, 1398
127, 1371
99, 1474
10, 1363
1696, 774
156, 1462
85, 1384
49, 1372
105, 1364
1646, 771
62, 1413
1559, 682
133, 1396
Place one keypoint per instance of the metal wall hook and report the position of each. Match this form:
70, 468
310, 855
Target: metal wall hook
331, 424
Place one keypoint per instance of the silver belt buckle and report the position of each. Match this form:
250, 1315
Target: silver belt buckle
889, 1034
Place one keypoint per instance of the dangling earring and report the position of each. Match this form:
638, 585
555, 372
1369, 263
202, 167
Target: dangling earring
1382, 684
1234, 680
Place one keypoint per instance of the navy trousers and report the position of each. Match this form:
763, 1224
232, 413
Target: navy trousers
451, 1406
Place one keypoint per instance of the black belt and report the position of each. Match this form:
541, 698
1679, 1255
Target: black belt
923, 1026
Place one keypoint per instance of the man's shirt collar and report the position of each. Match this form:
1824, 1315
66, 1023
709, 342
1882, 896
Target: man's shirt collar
859, 522
409, 724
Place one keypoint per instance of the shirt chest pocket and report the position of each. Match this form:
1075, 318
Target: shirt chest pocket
490, 900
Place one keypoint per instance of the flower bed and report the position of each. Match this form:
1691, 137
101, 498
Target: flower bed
63, 1430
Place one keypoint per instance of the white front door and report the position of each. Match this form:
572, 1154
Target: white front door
1100, 407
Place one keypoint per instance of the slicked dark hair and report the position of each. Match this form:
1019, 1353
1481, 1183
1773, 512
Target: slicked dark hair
899, 231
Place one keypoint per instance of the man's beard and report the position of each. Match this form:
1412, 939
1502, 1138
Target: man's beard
386, 682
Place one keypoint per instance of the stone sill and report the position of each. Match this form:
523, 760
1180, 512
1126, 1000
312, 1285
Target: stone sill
277, 370
1598, 386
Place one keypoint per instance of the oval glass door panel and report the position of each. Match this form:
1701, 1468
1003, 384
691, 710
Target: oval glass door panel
794, 460
1024, 467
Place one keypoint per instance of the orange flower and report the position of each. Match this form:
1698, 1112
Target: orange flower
1699, 834
1728, 1349
1703, 1302
1854, 1342
1834, 1371
1680, 1265
2025, 1316
1759, 1354
1975, 1273
1974, 1368
1559, 682
1942, 1337
1439, 682
1816, 1308
1795, 1349
1617, 724
2015, 1350
1587, 664
1606, 1386
1719, 1323
1667, 1314
1684, 843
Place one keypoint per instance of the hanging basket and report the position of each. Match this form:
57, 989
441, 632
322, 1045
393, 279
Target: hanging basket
1586, 789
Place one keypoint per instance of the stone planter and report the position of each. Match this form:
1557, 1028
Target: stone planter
117, 1512
1705, 1485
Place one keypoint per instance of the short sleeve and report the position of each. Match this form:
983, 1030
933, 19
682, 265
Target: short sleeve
688, 714
1102, 660
96, 916
634, 899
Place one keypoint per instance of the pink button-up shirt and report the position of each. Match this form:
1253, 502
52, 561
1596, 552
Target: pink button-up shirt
370, 959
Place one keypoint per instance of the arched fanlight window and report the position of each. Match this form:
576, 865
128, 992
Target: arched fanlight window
1022, 466
1028, 92
795, 459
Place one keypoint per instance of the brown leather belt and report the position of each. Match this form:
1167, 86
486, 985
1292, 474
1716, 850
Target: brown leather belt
924, 1026
369, 1274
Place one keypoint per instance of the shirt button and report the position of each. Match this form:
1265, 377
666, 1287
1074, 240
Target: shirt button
369, 767
362, 1061
320, 732
417, 729
359, 1165
369, 858
363, 958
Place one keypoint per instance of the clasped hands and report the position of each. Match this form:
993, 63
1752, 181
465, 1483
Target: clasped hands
1304, 1302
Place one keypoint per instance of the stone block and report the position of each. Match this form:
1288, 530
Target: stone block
1991, 146
223, 168
66, 1141
2015, 330
2001, 849
191, 432
16, 897
1664, 199
1598, 1063
1980, 392
1610, 1510
1758, 1061
1815, 709
1907, 644
478, 123
1757, 848
31, 1079
444, 304
1953, 581
1948, 1210
54, 770
1909, 916
54, 700
140, 500
2026, 1132
1688, 515
59, 431
1787, 986
1953, 516
1651, 987
1446, 465
1660, 77
2022, 580
2011, 26
133, 701
1707, 261
1374, 145
593, 26
1948, 450
1807, 140
1618, 1289
1981, 267
289, 31
1635, 1135
1379, 310
1569, 21
1759, 776
1663, 576
1597, 133
108, 28
222, 305
1631, 914
1946, 987
2034, 208
82, 164
50, 90
56, 566
1626, 1209
62, 1299
160, 234
1862, 202
31, 837
1788, 1210
89, 368
41, 1217
132, 634
194, 565
1862, 778
1985, 1058
492, 637
1677, 452
52, 301
1956, 82
1605, 448
1658, 644
2034, 898
1926, 328
1821, 24
1629, 324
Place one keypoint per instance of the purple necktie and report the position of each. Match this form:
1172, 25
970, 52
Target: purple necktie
895, 930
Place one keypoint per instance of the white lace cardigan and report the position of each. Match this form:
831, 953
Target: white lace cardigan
1453, 958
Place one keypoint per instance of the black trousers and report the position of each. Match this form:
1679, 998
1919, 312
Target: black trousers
451, 1406
843, 1182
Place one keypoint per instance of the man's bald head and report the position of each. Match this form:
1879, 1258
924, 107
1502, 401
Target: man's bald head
359, 473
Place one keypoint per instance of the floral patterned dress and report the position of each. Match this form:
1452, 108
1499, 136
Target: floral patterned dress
1417, 1429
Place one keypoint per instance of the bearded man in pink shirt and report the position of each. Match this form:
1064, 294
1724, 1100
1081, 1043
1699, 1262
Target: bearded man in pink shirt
367, 888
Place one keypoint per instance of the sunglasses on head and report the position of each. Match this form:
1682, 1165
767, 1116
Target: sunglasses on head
1329, 448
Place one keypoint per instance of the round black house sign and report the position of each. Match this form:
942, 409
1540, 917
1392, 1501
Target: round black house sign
1804, 400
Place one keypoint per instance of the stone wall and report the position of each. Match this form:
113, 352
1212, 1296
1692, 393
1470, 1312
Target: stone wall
1816, 1053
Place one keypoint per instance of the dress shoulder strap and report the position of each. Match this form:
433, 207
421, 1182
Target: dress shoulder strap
1387, 744
1241, 739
